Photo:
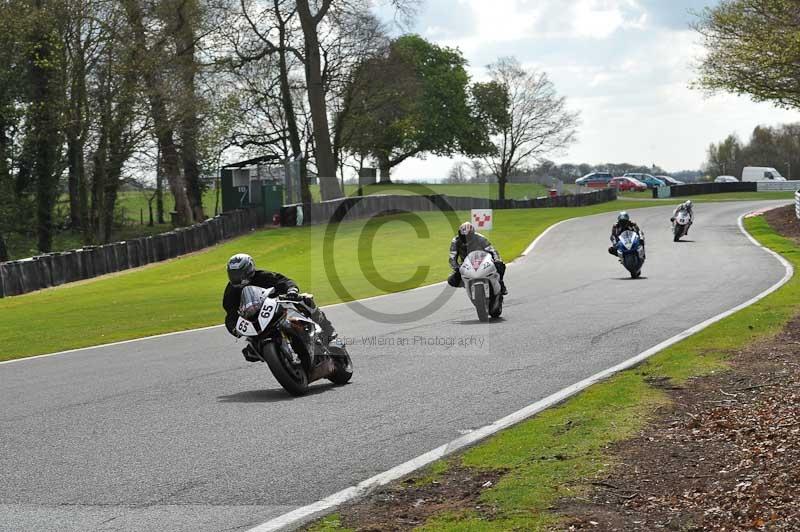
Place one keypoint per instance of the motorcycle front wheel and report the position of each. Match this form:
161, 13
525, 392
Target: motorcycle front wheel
677, 232
481, 305
294, 379
633, 265
344, 366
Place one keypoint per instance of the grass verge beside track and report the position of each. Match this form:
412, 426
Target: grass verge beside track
559, 452
186, 293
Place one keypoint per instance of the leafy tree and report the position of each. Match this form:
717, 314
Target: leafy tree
412, 100
725, 158
752, 49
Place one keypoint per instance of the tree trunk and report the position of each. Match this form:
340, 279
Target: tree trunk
75, 133
326, 168
98, 209
158, 111
385, 168
502, 179
172, 168
44, 125
288, 106
159, 188
189, 123
4, 256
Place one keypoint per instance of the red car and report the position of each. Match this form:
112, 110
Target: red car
625, 184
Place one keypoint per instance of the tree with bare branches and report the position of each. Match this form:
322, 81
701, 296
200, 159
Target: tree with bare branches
536, 122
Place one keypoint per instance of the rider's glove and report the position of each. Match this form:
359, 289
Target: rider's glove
293, 294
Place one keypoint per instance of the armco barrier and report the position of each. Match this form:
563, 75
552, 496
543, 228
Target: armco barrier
709, 188
54, 269
368, 206
778, 186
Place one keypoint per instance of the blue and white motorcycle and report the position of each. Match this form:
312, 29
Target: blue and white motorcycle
630, 250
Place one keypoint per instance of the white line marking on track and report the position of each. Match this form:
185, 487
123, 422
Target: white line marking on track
305, 514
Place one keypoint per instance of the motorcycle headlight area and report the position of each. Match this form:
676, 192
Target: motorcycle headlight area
251, 301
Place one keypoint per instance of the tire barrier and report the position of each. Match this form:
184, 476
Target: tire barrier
368, 206
54, 269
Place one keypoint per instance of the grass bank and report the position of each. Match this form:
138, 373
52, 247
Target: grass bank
185, 293
559, 452
471, 190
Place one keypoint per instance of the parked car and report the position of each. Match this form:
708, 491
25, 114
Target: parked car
761, 173
626, 184
647, 179
726, 179
595, 180
669, 180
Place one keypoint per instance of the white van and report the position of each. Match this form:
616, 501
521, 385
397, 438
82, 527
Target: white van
761, 173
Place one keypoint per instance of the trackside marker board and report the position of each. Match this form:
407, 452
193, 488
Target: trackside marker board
482, 219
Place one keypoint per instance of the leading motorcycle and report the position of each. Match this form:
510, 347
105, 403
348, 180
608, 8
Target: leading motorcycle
482, 282
630, 251
289, 342
680, 225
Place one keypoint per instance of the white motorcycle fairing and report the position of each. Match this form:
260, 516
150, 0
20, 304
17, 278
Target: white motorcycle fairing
482, 283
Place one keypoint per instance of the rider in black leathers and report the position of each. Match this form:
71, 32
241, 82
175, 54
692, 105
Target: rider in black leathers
241, 273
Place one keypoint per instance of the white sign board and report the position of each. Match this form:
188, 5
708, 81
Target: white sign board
482, 219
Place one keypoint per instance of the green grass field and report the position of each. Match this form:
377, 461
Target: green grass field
559, 452
484, 190
134, 203
185, 293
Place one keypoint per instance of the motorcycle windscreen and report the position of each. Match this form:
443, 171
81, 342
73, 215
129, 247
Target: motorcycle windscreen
629, 239
251, 300
476, 258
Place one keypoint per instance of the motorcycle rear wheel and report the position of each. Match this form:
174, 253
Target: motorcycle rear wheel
294, 379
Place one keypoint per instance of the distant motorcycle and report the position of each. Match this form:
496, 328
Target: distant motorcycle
631, 252
680, 225
289, 342
482, 282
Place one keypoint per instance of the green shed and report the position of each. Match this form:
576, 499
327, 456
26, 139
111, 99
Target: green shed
255, 182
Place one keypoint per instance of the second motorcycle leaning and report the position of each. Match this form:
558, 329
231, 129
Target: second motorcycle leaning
289, 342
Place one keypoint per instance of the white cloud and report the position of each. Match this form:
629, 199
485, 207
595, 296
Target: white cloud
626, 65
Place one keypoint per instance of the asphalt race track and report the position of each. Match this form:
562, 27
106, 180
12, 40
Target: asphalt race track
180, 433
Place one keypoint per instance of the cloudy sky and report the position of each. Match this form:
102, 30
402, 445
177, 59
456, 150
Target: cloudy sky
625, 65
